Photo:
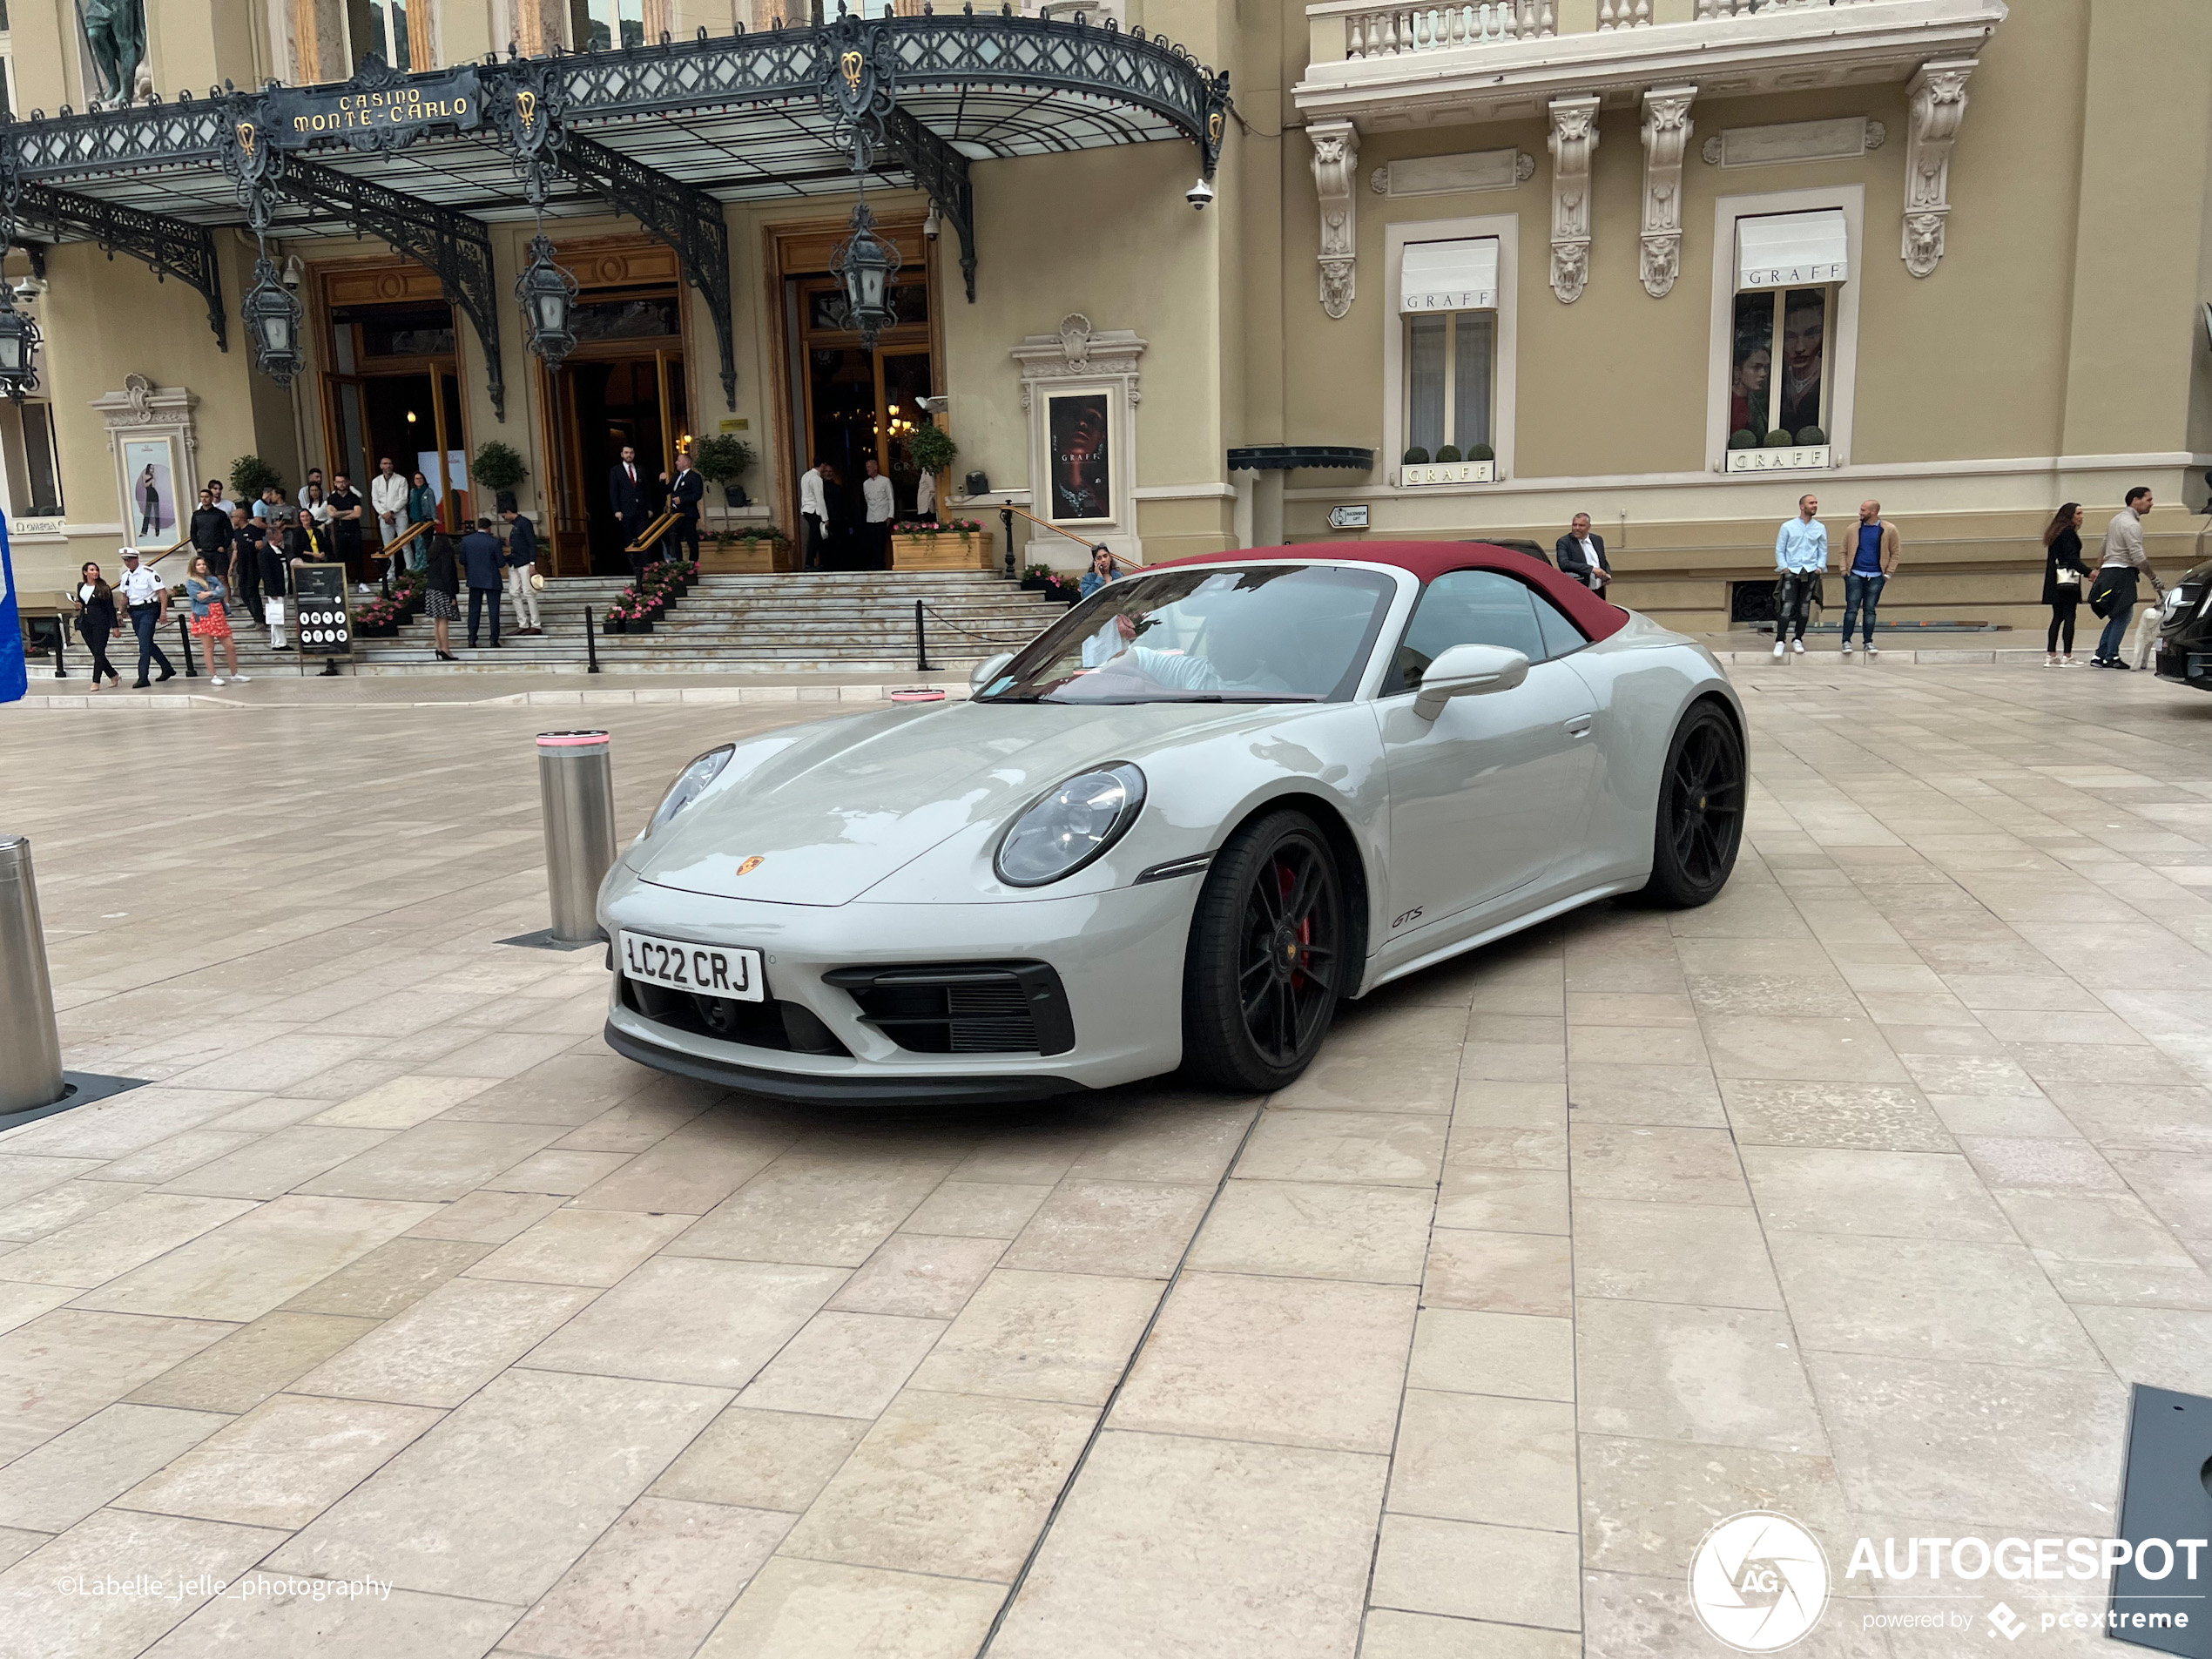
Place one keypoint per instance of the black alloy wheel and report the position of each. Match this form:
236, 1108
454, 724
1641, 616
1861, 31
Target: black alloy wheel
1266, 965
1700, 810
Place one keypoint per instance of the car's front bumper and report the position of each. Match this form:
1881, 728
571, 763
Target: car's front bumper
1119, 955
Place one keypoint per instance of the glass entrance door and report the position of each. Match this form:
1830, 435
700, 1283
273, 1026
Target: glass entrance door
859, 403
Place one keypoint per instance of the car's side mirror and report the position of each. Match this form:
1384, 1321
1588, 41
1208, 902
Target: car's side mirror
988, 669
1468, 670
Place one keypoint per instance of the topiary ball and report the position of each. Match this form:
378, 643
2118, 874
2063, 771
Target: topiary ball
1743, 438
1449, 452
1416, 456
1778, 439
1811, 434
1481, 452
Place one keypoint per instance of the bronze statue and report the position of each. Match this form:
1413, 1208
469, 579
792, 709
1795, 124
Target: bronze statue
116, 32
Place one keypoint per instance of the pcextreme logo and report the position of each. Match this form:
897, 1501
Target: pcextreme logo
1758, 1581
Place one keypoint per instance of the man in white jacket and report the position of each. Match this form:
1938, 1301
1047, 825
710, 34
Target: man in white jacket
387, 500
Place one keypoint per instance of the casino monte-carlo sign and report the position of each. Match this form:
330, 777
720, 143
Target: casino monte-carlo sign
373, 115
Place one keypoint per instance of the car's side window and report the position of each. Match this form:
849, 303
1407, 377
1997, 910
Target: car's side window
1561, 635
1466, 608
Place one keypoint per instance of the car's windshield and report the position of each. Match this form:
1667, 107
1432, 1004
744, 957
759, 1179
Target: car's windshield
1285, 633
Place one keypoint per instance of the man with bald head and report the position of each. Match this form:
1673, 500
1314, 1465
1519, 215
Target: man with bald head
1873, 557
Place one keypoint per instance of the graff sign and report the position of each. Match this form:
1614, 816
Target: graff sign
292, 117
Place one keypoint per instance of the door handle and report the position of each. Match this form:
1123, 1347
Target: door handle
1581, 724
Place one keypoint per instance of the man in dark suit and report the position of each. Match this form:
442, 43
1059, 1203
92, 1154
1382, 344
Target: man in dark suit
628, 493
1583, 555
685, 491
485, 561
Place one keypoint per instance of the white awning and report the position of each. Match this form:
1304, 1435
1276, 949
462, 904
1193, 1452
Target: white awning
1450, 276
1783, 250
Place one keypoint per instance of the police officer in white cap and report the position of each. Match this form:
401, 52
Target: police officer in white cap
147, 598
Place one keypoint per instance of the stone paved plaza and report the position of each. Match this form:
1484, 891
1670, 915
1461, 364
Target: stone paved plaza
1862, 1195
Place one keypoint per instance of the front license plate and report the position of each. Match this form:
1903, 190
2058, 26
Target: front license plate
704, 970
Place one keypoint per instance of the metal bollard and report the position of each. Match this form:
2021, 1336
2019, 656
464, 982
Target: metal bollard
31, 1046
576, 786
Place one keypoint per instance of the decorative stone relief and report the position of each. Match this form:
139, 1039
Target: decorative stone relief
1573, 138
1081, 352
1336, 172
1442, 175
1938, 102
1666, 127
1837, 139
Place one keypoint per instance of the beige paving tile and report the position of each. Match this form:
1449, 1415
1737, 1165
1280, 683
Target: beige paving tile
1490, 1200
977, 1209
269, 1165
390, 1278
64, 1204
275, 1615
812, 1209
258, 1261
1292, 1362
252, 1362
1647, 1504
1188, 1138
119, 1126
2000, 1114
1639, 1616
1391, 1635
637, 1124
15, 1544
689, 1319
1717, 1376
190, 1557
1682, 1097
56, 1486
487, 1217
560, 1172
466, 1510
922, 1275
1670, 1166
760, 1459
22, 1176
1168, 1545
2161, 1347
2114, 1228
1712, 1255
798, 1609
844, 1364
1898, 1195
691, 1170
20, 1303
282, 1463
1515, 1354
59, 1369
1926, 1299
1421, 1077
1375, 1148
2177, 1187
581, 1247
951, 1484
1498, 1272
400, 1103
1887, 1117
445, 1346
1479, 1457
2178, 1120
1041, 1336
653, 1586
1136, 1230
432, 1161
2043, 1162
112, 1242
1317, 1230
1510, 1574
1818, 1050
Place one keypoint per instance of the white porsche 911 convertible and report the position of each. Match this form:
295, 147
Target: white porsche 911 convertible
1176, 829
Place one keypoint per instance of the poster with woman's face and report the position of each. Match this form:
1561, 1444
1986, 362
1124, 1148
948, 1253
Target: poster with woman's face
149, 493
1076, 427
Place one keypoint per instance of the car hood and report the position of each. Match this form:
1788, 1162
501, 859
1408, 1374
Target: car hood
833, 809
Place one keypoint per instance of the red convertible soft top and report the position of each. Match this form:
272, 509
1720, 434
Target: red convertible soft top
1428, 560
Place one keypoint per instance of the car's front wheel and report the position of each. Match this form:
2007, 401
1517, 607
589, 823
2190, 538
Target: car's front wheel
1700, 810
1266, 962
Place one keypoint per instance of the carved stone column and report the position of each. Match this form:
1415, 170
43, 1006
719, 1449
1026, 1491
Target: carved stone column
1667, 128
1573, 136
541, 26
1938, 101
1336, 172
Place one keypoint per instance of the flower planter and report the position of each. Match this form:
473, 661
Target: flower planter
947, 550
1033, 584
616, 626
641, 625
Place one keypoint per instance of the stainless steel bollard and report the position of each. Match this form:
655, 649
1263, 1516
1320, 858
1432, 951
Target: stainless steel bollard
31, 1046
575, 783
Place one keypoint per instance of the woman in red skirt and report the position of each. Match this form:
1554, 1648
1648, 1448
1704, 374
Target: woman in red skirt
211, 622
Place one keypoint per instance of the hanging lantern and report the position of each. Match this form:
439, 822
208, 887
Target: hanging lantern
272, 323
18, 350
866, 266
548, 296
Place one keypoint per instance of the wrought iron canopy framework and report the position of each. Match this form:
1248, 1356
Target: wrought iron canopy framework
666, 132
168, 246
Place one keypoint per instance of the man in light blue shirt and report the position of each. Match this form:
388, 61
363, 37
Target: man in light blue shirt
1800, 555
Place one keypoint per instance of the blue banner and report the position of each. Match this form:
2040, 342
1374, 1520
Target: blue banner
15, 674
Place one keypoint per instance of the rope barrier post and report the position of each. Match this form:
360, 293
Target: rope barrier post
30, 1045
921, 642
576, 787
1006, 517
184, 634
590, 639
61, 634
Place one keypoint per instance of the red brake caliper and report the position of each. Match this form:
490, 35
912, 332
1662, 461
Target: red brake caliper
1287, 882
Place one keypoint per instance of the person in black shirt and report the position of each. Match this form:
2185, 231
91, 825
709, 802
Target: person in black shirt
211, 533
346, 509
244, 564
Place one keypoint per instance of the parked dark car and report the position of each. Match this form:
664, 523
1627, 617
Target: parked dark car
2185, 638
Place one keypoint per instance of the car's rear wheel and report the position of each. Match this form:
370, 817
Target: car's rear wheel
1700, 810
1266, 962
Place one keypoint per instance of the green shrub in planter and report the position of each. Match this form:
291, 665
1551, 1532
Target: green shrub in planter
1481, 452
1416, 456
1743, 438
250, 475
498, 468
1811, 434
1449, 453
1778, 439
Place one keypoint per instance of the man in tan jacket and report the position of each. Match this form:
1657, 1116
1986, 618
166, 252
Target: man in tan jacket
1867, 569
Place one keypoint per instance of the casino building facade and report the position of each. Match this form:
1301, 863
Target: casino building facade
1454, 271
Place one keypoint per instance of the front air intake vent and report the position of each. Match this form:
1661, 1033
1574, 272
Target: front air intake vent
963, 1007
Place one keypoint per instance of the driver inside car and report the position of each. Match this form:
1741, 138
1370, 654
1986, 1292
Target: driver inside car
1238, 652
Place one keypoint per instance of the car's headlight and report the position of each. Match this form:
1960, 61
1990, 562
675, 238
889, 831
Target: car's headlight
689, 785
1071, 826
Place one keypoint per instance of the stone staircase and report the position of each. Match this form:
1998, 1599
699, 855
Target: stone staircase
796, 622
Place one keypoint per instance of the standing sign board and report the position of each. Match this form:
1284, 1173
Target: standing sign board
326, 625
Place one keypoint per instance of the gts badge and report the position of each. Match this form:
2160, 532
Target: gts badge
1414, 915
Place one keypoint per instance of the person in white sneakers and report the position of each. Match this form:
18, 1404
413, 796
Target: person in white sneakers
1800, 555
388, 494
